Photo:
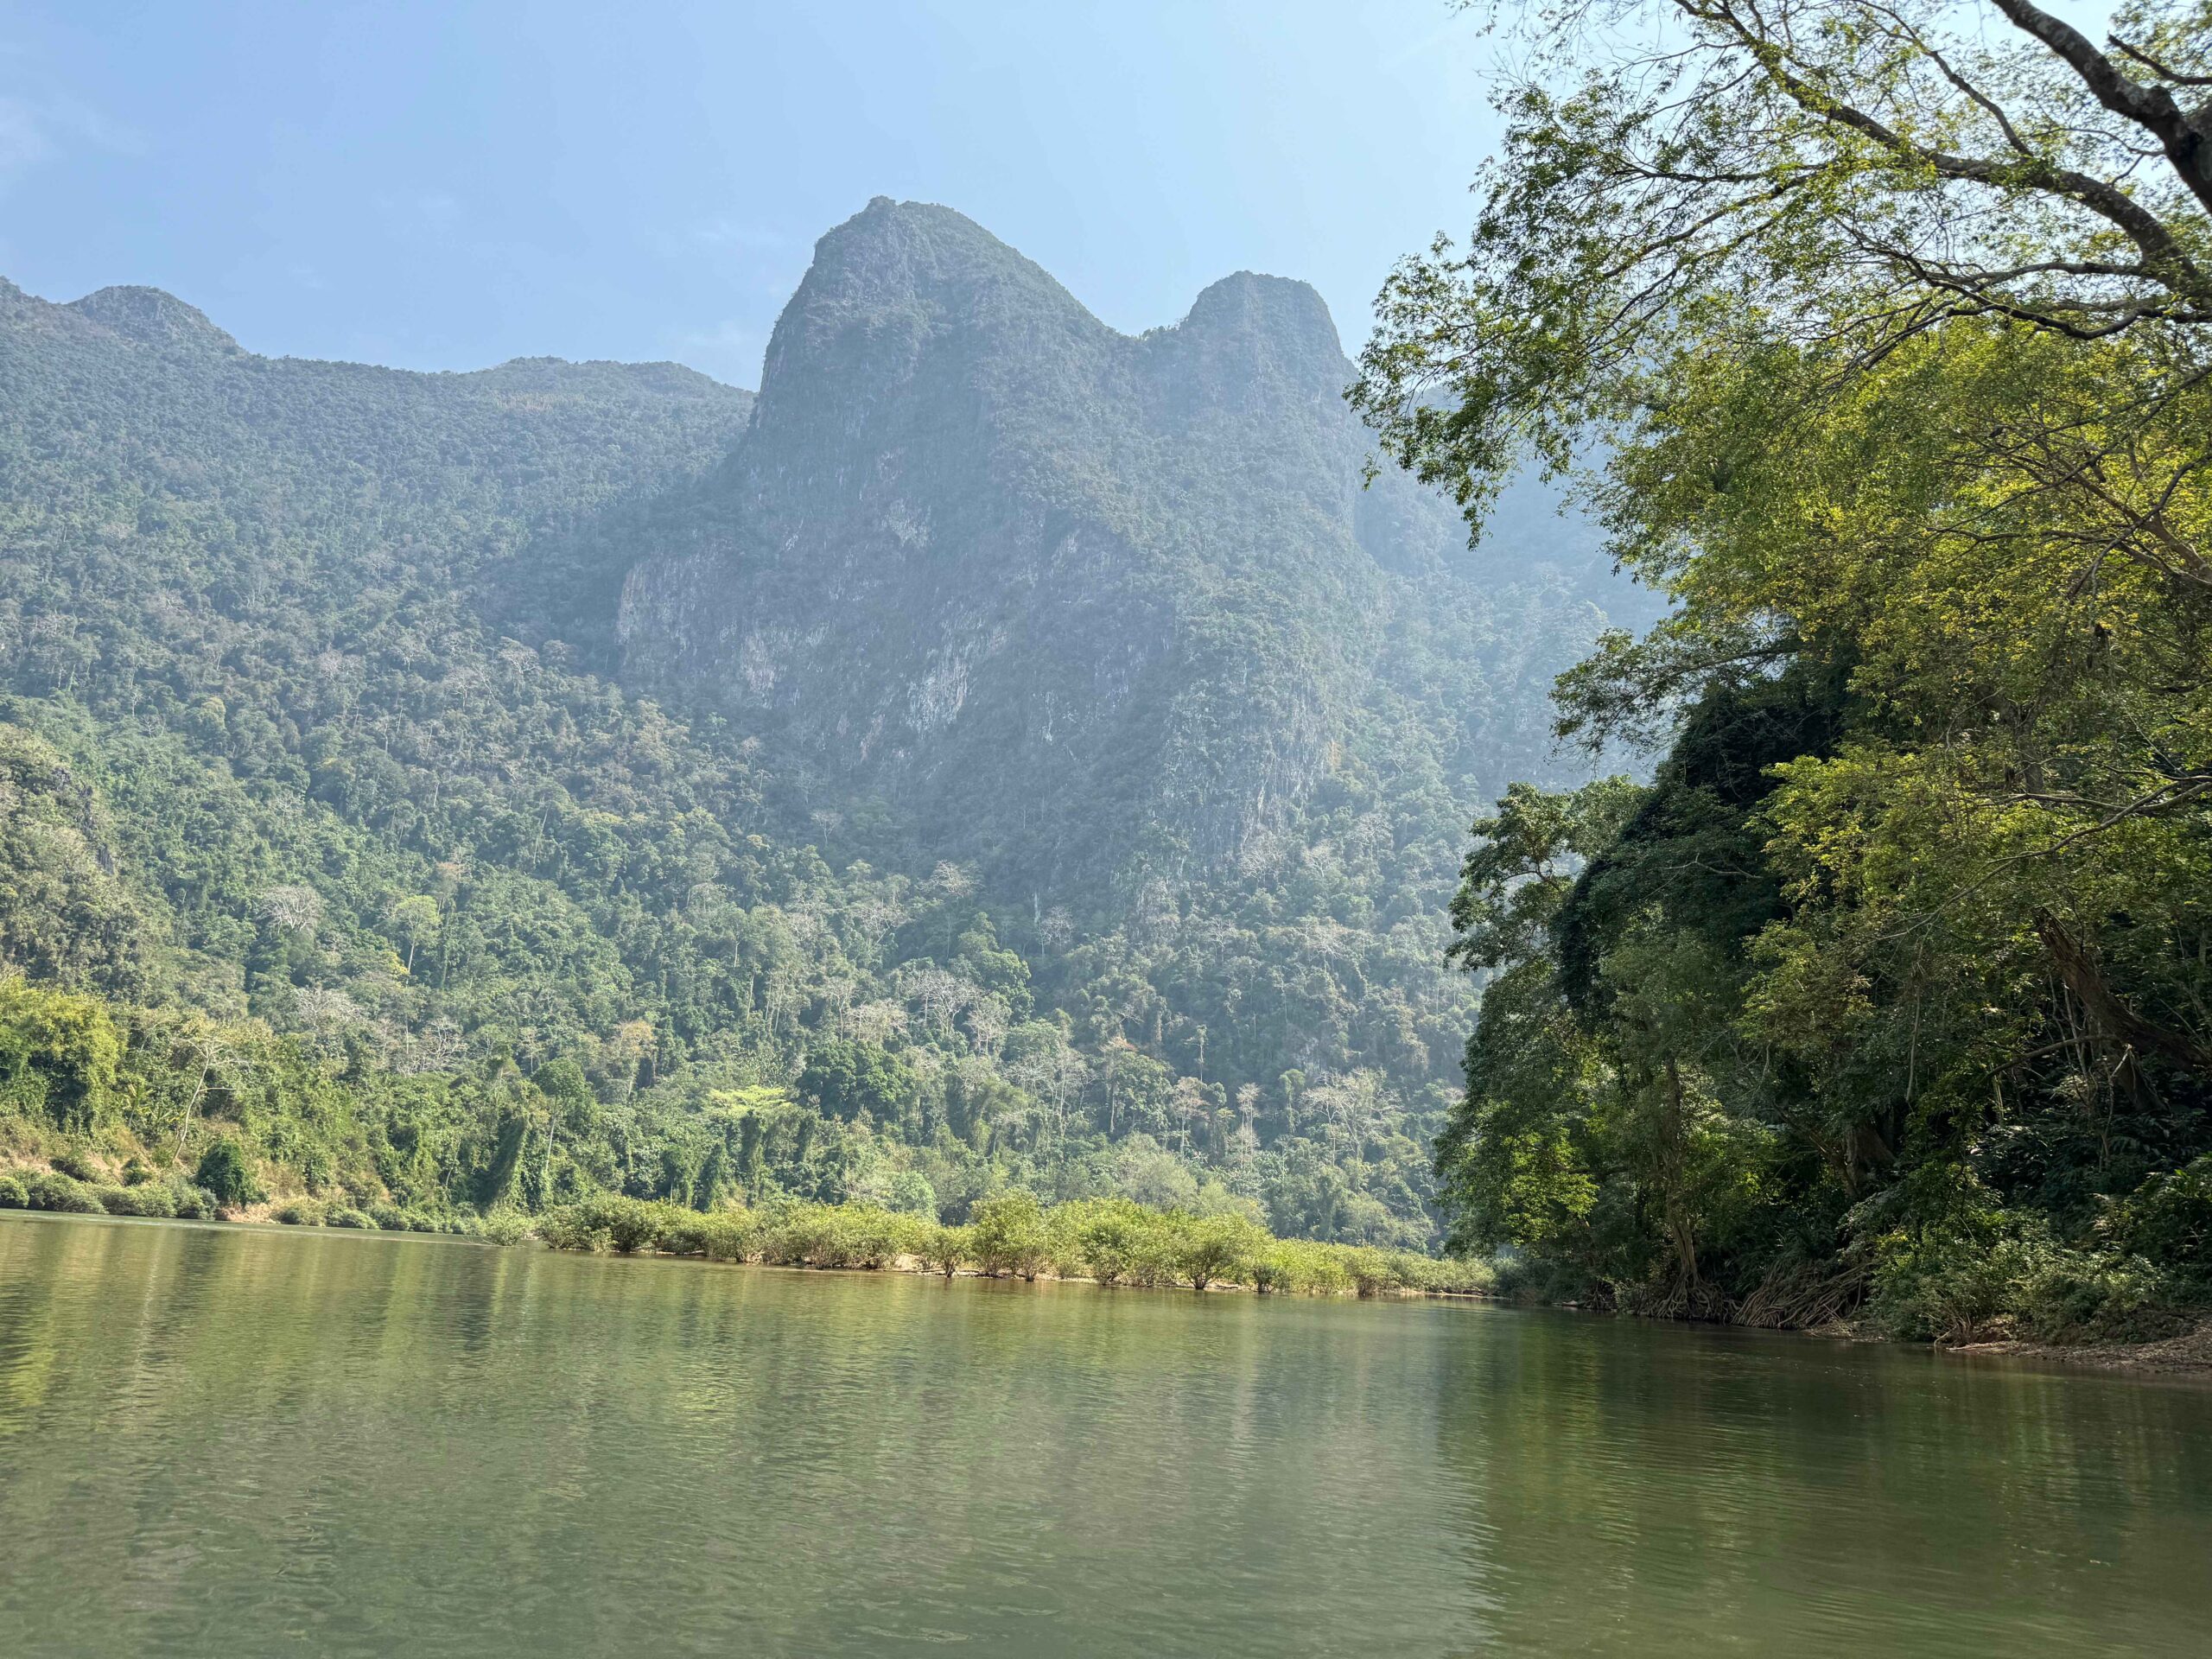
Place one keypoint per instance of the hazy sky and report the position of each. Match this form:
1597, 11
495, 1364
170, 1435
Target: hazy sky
448, 185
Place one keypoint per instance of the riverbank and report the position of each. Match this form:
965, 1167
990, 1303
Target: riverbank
1103, 1241
2188, 1354
851, 1239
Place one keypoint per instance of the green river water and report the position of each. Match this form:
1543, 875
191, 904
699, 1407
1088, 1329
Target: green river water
240, 1441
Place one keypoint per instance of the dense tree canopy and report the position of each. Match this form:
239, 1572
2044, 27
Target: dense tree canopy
1891, 324
320, 767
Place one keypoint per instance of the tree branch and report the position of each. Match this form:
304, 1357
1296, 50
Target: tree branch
2187, 143
2157, 68
2083, 974
2161, 250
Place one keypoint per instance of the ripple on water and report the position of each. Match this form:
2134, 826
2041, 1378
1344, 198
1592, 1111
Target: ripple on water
231, 1441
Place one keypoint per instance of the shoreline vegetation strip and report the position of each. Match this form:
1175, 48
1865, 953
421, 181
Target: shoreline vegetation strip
1104, 1241
1110, 1243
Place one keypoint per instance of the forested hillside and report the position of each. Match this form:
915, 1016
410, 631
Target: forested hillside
1894, 988
482, 790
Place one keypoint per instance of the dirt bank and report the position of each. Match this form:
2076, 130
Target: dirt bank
2188, 1354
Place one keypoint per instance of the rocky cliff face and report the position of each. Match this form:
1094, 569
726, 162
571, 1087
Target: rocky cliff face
1082, 606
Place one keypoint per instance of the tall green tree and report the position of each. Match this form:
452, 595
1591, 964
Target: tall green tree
1890, 331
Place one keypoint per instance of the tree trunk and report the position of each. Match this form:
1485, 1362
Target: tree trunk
2082, 974
1679, 1223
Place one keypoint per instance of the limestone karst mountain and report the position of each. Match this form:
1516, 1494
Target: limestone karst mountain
1046, 728
1093, 609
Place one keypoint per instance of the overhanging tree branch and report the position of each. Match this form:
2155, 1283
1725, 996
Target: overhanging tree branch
2184, 135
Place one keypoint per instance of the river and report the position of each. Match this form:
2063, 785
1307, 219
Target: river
237, 1441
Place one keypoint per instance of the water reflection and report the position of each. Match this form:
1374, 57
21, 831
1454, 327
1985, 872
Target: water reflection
226, 1441
1650, 1489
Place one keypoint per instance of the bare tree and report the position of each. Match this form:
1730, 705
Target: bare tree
295, 908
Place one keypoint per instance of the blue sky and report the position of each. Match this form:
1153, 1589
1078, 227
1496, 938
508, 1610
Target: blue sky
447, 186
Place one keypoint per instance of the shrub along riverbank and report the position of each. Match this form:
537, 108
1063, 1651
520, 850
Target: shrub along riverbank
75, 1186
1110, 1241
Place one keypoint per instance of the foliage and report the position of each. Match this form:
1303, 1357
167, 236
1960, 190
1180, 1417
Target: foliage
52, 1190
309, 755
146, 1198
57, 1054
1892, 340
1221, 1247
2012, 1279
1011, 1236
225, 1172
2169, 1220
942, 1250
1111, 1241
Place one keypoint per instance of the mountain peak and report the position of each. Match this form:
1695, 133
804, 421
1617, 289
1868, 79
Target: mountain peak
151, 317
904, 283
1248, 332
908, 251
1280, 306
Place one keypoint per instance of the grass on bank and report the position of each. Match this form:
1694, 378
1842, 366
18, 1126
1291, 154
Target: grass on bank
1111, 1241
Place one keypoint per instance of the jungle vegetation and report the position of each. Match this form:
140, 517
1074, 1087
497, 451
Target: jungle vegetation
1881, 335
340, 842
1107, 1241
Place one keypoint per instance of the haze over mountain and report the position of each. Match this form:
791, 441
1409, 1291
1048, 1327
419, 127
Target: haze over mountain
1047, 715
1080, 604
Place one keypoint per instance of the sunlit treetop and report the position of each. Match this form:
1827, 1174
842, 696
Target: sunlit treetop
1841, 174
